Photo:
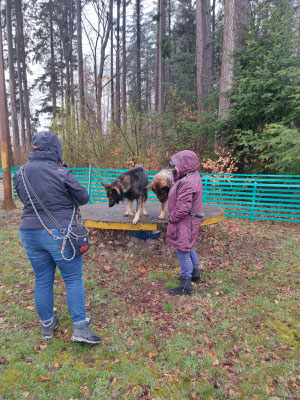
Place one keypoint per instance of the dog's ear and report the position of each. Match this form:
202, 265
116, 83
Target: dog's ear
163, 184
105, 184
150, 186
116, 189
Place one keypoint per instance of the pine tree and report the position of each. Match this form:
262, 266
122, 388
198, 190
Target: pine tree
266, 89
184, 53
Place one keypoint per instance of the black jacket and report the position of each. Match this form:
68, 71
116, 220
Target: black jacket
55, 185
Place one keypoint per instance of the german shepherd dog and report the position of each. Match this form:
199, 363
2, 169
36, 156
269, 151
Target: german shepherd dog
160, 185
132, 186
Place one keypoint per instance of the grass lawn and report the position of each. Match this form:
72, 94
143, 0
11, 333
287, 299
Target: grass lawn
237, 337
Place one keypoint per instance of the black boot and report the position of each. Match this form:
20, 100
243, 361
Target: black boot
184, 288
195, 276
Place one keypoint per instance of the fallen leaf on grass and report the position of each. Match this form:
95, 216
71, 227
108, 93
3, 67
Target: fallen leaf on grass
152, 356
44, 378
30, 308
85, 391
112, 380
54, 367
232, 377
4, 360
25, 394
207, 340
131, 343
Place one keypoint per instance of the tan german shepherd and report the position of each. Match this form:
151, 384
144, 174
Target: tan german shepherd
160, 185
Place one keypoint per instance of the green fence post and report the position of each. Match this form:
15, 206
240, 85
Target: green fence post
253, 201
90, 183
204, 190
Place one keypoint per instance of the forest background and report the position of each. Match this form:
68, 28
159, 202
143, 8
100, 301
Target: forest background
128, 82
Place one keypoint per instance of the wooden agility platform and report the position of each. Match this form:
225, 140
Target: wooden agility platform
99, 215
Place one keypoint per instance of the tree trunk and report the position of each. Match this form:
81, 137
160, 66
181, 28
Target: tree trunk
148, 89
20, 84
161, 60
157, 60
102, 59
52, 62
169, 71
118, 70
112, 88
8, 202
80, 60
62, 93
24, 72
298, 27
65, 23
203, 52
71, 31
12, 84
124, 66
235, 19
138, 58
213, 39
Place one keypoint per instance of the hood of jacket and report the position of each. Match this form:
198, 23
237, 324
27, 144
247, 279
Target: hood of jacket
186, 161
46, 145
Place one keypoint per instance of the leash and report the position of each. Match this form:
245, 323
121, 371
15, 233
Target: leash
69, 228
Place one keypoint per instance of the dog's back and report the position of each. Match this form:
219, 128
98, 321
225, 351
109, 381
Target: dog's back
164, 175
134, 182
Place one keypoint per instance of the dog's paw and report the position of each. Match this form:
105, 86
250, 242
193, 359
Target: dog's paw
161, 216
135, 221
146, 214
128, 213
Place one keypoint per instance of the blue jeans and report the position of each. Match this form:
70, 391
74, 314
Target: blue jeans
44, 254
188, 261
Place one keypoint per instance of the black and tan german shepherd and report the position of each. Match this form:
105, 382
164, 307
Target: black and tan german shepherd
160, 185
130, 185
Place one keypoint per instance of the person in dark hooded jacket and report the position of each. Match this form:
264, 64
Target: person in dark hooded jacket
59, 191
184, 208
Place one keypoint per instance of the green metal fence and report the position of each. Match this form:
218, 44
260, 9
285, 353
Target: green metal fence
257, 197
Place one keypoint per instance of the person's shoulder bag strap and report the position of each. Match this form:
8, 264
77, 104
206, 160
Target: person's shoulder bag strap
66, 236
